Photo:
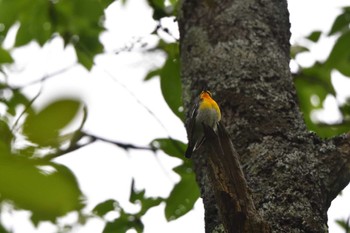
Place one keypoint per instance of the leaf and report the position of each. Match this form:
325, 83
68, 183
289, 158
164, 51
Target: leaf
79, 22
296, 49
104, 207
184, 194
3, 229
124, 223
342, 22
146, 202
152, 74
18, 99
174, 148
314, 36
84, 58
35, 23
43, 127
170, 85
339, 57
312, 84
6, 134
5, 56
46, 195
344, 224
158, 9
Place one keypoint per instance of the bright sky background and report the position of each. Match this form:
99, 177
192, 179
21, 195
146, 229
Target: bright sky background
105, 171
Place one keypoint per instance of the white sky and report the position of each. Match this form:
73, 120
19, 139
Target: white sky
105, 171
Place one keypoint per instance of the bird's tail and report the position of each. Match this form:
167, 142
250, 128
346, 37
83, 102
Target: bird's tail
189, 151
192, 148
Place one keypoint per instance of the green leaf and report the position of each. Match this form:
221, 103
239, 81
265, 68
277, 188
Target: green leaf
106, 3
158, 9
3, 229
9, 13
184, 194
6, 134
312, 84
341, 23
47, 194
174, 148
43, 127
79, 22
104, 207
18, 99
5, 56
35, 23
124, 223
170, 85
146, 202
339, 57
84, 58
314, 36
152, 74
345, 224
296, 49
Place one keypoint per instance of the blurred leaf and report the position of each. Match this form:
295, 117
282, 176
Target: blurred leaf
6, 134
104, 207
152, 74
313, 85
84, 58
296, 49
106, 3
124, 223
5, 56
171, 49
9, 13
184, 194
34, 23
341, 23
43, 127
158, 9
314, 36
145, 202
78, 22
171, 86
18, 99
344, 224
174, 148
3, 229
339, 57
47, 194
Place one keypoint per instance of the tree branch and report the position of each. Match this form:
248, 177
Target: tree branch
236, 206
335, 158
79, 135
125, 146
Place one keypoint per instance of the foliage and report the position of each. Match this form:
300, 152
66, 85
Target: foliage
77, 22
315, 82
27, 179
344, 224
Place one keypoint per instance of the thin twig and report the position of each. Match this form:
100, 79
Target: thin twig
125, 146
25, 110
45, 77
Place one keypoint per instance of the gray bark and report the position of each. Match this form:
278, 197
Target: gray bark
239, 50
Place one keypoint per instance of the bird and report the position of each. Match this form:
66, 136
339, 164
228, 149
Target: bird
207, 112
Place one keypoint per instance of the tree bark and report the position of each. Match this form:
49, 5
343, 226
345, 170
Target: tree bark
239, 50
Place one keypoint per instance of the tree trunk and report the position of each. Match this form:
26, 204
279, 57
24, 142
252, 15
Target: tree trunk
239, 50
